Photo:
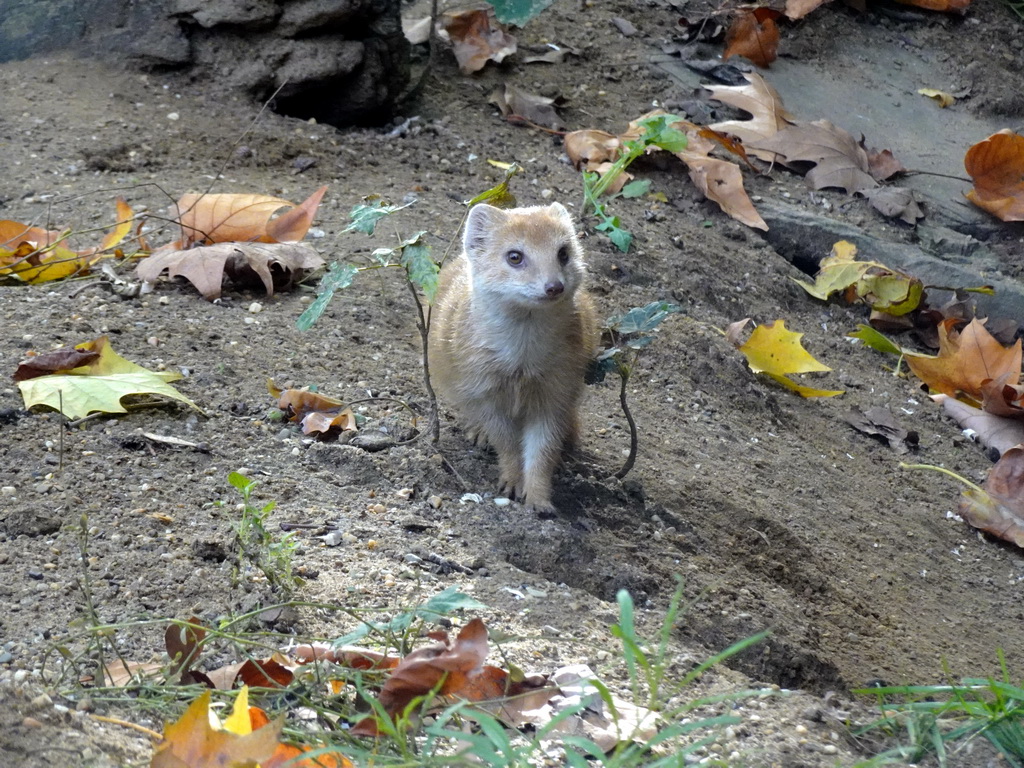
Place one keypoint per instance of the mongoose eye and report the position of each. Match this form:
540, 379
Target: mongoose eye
515, 258
563, 255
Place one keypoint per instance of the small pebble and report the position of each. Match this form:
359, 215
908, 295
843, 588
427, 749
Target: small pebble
255, 307
435, 502
404, 493
501, 501
334, 538
173, 116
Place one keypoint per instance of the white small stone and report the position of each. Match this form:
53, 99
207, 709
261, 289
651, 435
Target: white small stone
255, 307
546, 193
501, 501
173, 116
164, 300
334, 538
8, 490
404, 493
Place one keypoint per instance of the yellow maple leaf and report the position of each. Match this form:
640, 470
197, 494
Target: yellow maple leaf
775, 351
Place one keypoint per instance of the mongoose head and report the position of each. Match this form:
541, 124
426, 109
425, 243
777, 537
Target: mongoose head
529, 256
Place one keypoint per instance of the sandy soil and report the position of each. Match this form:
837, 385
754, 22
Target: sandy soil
774, 512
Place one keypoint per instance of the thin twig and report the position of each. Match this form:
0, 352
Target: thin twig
633, 437
134, 726
421, 324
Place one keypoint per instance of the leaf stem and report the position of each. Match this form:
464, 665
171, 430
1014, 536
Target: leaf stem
945, 471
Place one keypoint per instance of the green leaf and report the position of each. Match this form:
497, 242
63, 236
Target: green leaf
640, 342
499, 196
643, 319
338, 276
82, 395
421, 268
365, 216
875, 340
383, 255
440, 605
636, 188
658, 130
448, 601
601, 366
99, 385
239, 481
518, 12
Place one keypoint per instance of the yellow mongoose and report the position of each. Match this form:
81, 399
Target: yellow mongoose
512, 332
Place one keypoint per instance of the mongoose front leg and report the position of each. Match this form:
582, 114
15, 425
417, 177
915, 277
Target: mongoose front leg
496, 429
542, 443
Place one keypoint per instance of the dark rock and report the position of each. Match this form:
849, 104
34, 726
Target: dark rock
804, 238
29, 522
342, 62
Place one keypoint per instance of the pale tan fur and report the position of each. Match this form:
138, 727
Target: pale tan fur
509, 350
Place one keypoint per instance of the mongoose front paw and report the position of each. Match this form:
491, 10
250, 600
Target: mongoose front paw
511, 487
477, 437
541, 508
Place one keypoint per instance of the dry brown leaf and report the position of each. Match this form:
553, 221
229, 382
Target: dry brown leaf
1001, 398
590, 148
515, 102
797, 9
966, 361
58, 361
993, 431
997, 167
205, 266
317, 413
882, 164
477, 38
719, 180
755, 36
999, 508
243, 218
118, 674
895, 202
839, 161
452, 668
764, 105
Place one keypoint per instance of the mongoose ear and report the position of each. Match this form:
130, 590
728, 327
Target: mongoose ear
561, 212
481, 220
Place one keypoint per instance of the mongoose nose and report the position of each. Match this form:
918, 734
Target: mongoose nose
554, 288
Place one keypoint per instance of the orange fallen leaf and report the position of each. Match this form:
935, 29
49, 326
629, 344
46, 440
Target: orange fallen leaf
291, 755
243, 218
755, 36
192, 742
996, 166
966, 361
